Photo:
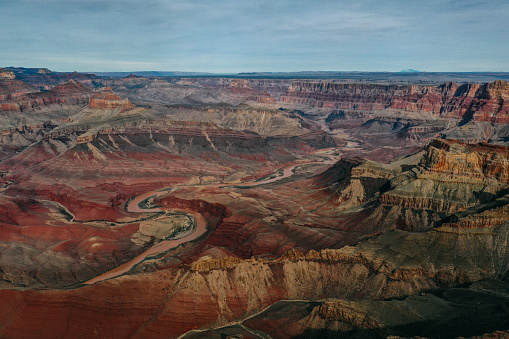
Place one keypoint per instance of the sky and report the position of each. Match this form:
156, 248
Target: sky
230, 36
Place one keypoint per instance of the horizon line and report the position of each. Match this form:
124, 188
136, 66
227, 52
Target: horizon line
409, 71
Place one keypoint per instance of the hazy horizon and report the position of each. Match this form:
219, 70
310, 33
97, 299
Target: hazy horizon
304, 72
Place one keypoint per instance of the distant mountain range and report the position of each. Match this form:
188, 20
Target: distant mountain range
404, 76
409, 70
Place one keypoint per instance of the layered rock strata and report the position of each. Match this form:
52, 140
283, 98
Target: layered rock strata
106, 99
225, 290
424, 190
487, 102
70, 93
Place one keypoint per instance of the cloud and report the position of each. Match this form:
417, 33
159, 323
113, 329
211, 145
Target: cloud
244, 35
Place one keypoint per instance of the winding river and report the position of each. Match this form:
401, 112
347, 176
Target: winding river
201, 224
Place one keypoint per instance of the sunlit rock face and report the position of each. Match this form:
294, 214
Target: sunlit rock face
23, 97
106, 99
486, 102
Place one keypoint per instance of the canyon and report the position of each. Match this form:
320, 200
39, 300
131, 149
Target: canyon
191, 207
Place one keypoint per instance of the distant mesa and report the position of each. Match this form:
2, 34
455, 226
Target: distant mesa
70, 87
410, 70
133, 76
106, 99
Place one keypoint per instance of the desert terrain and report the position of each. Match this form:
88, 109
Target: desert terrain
324, 205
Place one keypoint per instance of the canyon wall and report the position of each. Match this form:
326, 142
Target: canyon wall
486, 102
214, 292
24, 98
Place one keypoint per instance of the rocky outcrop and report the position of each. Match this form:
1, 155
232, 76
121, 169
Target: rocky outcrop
266, 88
495, 104
13, 140
63, 211
473, 162
458, 312
177, 128
451, 177
353, 182
424, 190
198, 91
7, 74
106, 99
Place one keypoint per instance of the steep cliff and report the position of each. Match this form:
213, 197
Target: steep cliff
289, 248
451, 177
106, 99
458, 312
486, 102
424, 190
26, 99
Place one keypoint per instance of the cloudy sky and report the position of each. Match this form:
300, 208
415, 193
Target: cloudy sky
227, 36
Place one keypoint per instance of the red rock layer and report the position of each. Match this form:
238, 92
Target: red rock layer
12, 89
450, 178
495, 108
70, 93
488, 102
106, 99
474, 161
213, 292
47, 247
6, 74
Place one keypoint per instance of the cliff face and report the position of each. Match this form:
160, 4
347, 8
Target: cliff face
486, 102
419, 192
7, 74
266, 122
474, 162
495, 106
267, 88
459, 312
102, 170
451, 177
451, 173
106, 99
23, 98
11, 89
345, 234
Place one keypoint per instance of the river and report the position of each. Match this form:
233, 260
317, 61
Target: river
201, 224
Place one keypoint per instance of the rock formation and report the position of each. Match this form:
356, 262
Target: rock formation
222, 291
24, 98
330, 209
448, 100
7, 74
106, 99
45, 79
